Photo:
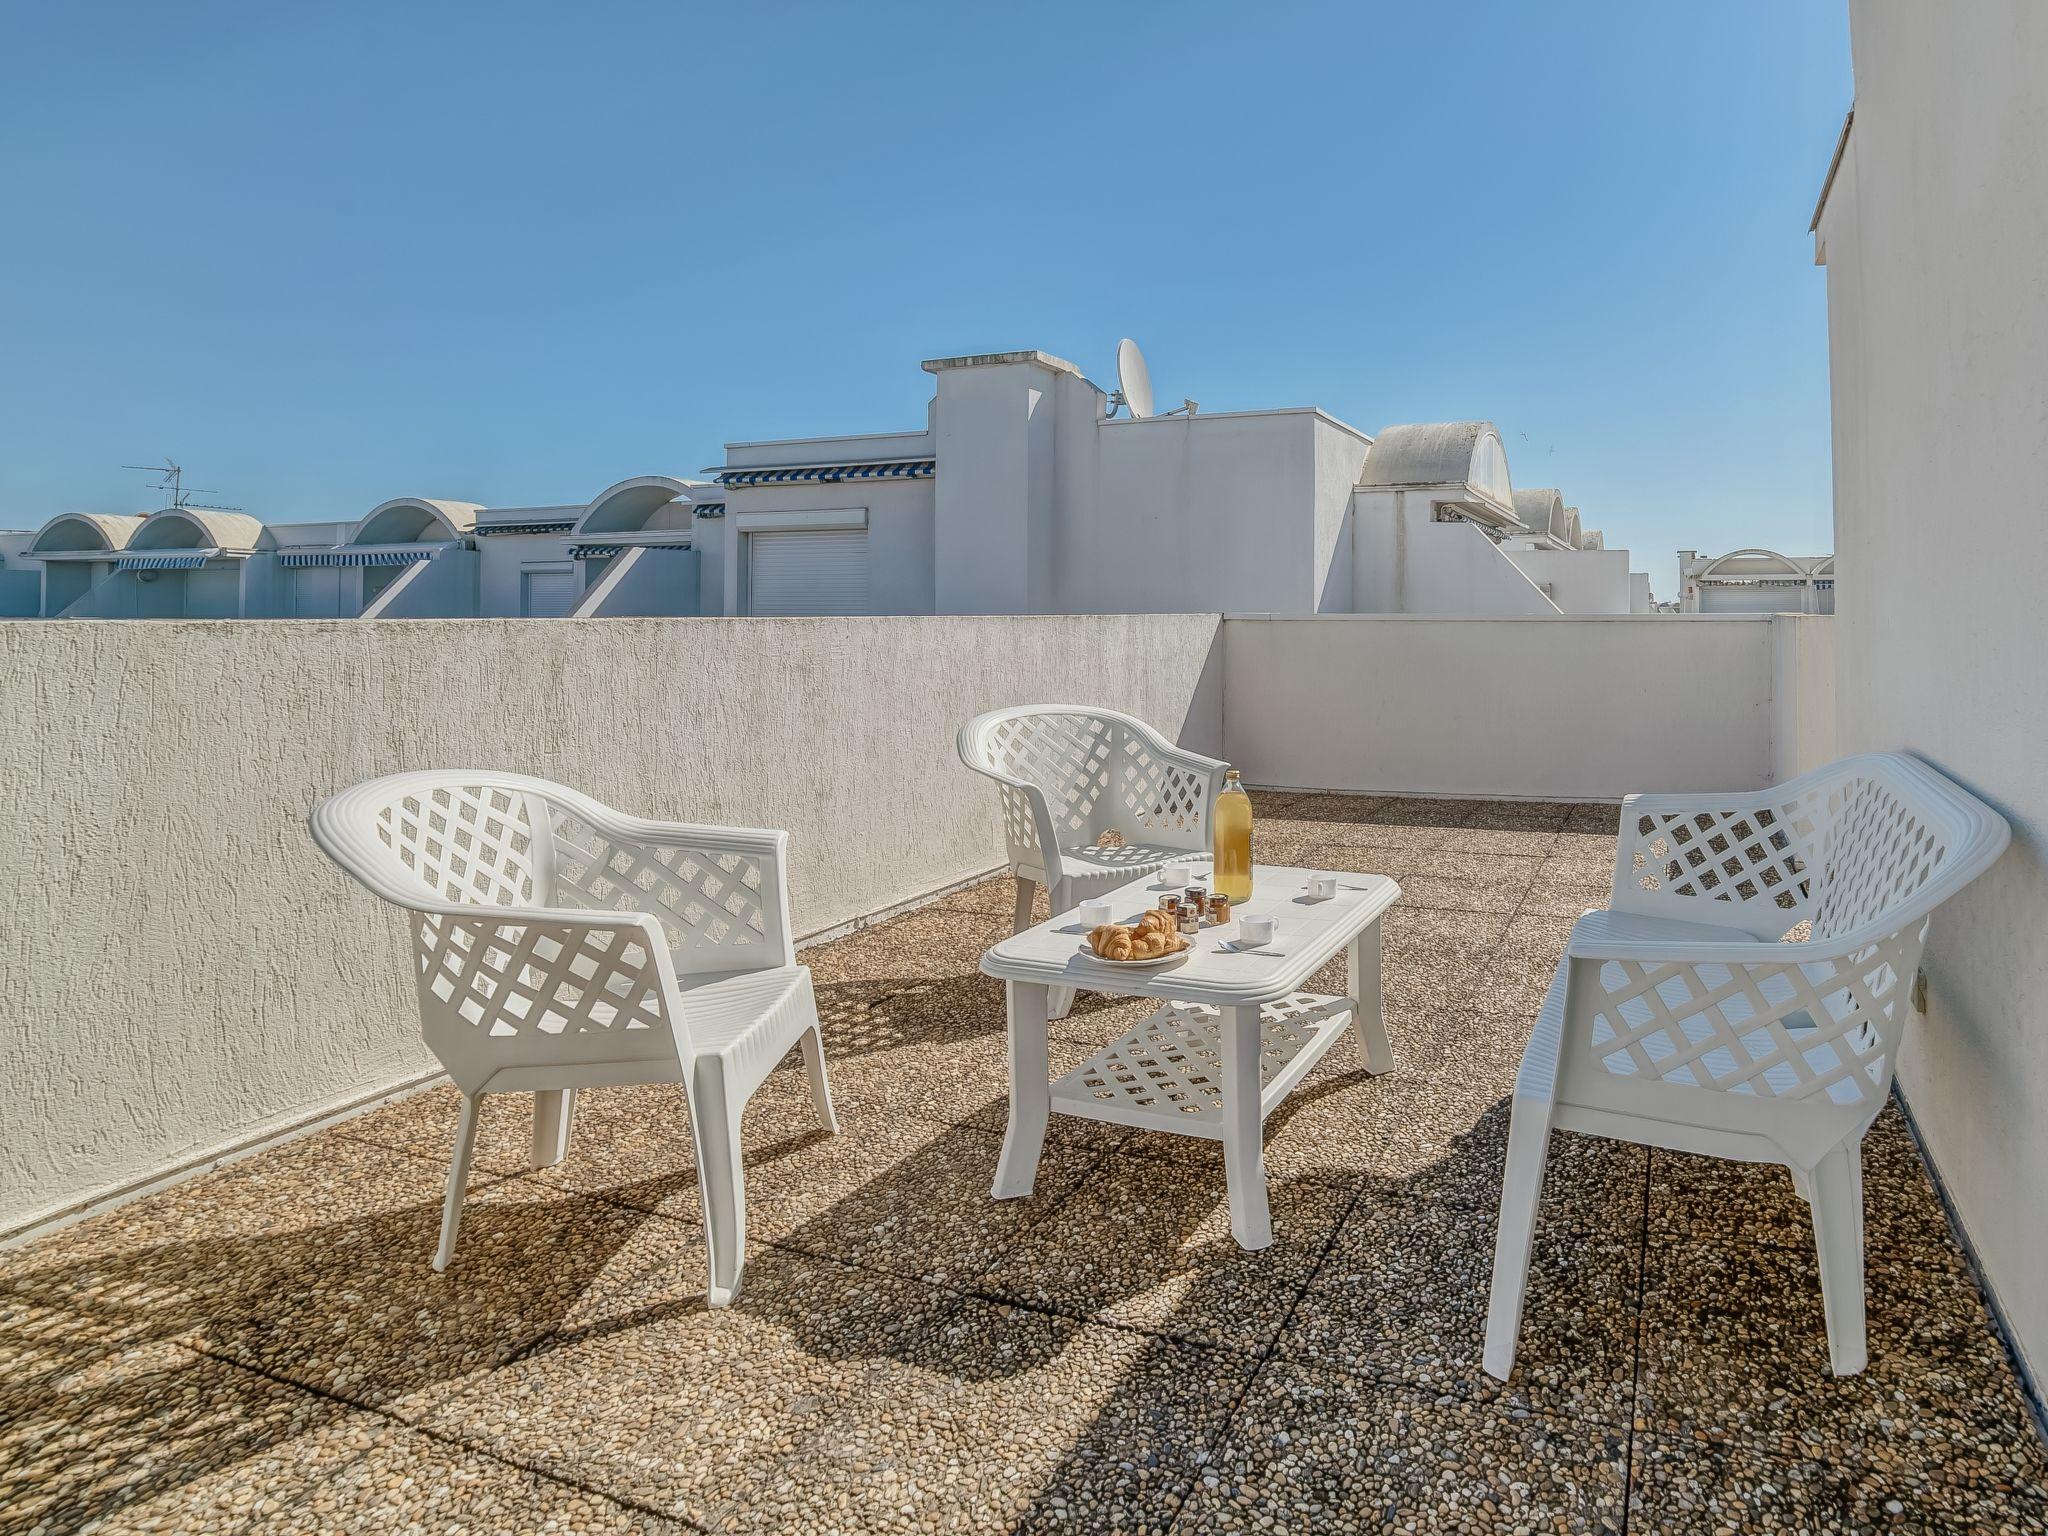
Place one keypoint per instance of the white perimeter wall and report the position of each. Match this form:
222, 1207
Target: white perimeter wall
1938, 329
1556, 707
182, 970
185, 973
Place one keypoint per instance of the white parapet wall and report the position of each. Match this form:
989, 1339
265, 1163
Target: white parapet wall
1562, 707
185, 974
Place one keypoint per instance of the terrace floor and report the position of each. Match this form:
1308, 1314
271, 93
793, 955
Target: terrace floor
266, 1348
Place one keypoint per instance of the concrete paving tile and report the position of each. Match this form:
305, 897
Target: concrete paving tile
1681, 1486
1344, 1126
1578, 856
847, 1392
163, 1439
1734, 1347
996, 896
1409, 931
1564, 898
1502, 895
1323, 1451
1334, 810
911, 1198
1140, 1248
1595, 819
314, 1262
1315, 849
1538, 939
1402, 1297
1592, 1187
1524, 815
620, 1136
832, 1399
926, 944
1519, 842
961, 1081
1705, 1197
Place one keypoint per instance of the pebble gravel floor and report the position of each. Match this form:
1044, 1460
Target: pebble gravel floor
267, 1349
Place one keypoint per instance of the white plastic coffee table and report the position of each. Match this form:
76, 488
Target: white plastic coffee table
1233, 1037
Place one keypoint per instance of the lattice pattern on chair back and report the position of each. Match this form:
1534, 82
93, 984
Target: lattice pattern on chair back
1878, 850
1839, 851
496, 994
496, 991
1159, 798
469, 843
1097, 776
1757, 861
1787, 1028
1071, 759
717, 906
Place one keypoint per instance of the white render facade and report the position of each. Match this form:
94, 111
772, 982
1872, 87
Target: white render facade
1023, 492
1755, 581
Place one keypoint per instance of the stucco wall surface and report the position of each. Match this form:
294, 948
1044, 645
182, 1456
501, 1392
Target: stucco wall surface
1938, 325
1562, 706
181, 970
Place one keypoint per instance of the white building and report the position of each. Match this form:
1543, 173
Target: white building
1755, 581
1027, 490
1027, 493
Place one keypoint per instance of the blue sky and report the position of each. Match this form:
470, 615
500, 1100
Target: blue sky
514, 253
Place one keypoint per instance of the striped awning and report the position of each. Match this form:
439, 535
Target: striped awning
537, 525
708, 509
828, 474
182, 560
302, 557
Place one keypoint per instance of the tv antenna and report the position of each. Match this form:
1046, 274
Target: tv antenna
172, 480
1135, 386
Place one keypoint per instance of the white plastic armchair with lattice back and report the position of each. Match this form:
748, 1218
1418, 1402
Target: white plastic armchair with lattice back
1067, 775
1745, 996
558, 945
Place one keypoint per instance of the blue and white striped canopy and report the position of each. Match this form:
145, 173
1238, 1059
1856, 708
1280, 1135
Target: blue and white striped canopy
298, 557
828, 474
183, 560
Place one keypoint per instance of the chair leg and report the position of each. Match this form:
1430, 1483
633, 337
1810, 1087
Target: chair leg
1520, 1194
458, 1179
1838, 1236
554, 1111
1027, 891
814, 1069
721, 1183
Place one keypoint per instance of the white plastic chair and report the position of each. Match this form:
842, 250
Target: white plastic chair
1744, 997
1066, 774
558, 944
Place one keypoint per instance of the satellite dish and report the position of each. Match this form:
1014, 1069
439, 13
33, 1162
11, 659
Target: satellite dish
1134, 377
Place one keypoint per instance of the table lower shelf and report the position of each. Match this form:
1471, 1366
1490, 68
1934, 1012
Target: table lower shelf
1166, 1073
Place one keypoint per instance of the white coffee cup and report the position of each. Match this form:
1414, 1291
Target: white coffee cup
1254, 931
1094, 914
1322, 887
1176, 876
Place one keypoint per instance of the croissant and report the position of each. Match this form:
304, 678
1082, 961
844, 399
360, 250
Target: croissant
1156, 921
1112, 941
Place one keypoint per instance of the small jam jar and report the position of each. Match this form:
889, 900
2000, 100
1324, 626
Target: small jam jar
1198, 898
1190, 918
1219, 909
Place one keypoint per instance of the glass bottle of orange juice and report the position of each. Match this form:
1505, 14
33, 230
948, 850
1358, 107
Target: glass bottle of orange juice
1232, 825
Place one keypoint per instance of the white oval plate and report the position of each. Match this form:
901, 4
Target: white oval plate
1088, 953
